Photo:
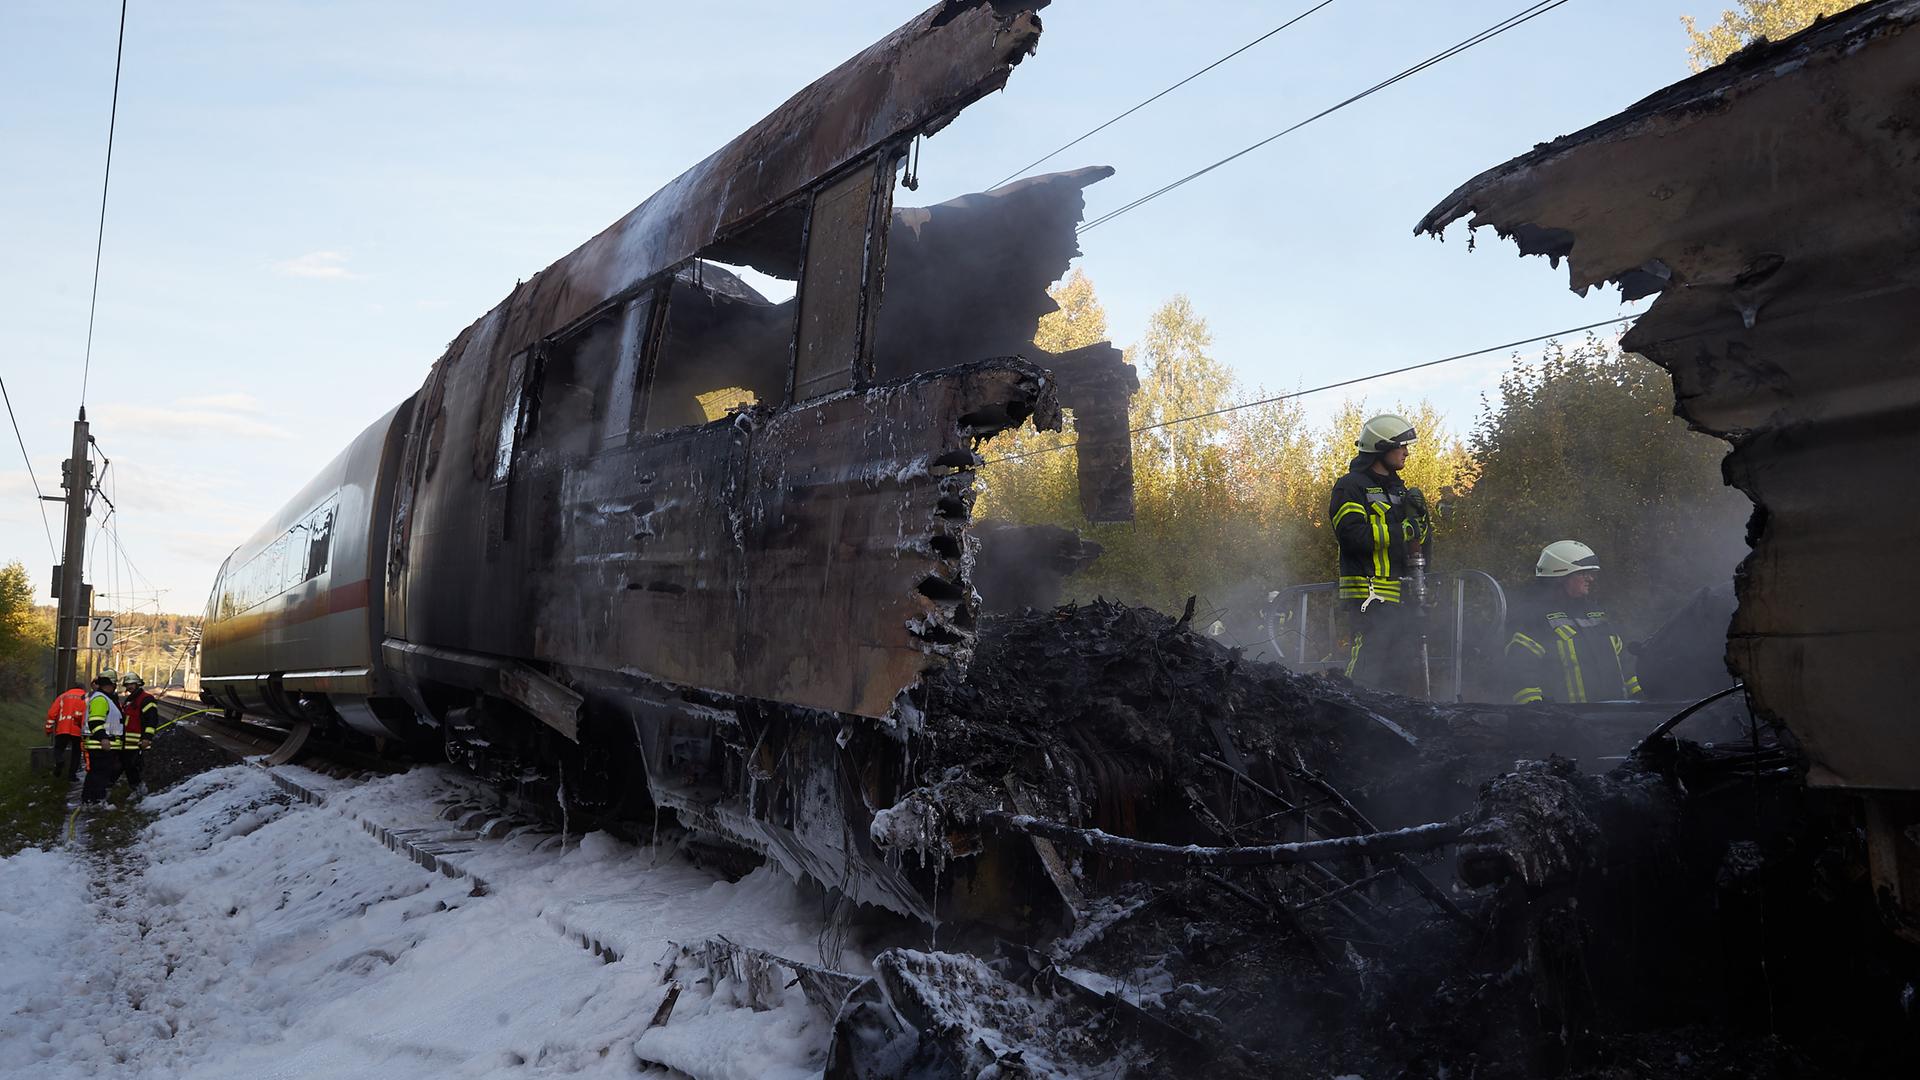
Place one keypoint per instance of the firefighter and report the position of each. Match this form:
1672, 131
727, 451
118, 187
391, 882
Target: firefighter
142, 719
1378, 521
105, 725
66, 721
1563, 649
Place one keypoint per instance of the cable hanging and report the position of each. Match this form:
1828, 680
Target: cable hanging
1526, 14
40, 498
1084, 136
100, 239
1329, 386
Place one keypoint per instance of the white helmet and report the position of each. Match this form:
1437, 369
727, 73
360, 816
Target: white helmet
133, 678
1563, 557
1383, 433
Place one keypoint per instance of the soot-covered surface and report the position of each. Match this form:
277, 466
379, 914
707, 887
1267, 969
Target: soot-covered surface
1687, 914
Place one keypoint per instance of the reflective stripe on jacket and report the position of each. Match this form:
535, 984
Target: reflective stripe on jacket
1569, 658
1369, 517
142, 717
68, 714
105, 723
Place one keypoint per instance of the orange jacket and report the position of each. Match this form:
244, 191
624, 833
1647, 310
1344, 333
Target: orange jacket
68, 713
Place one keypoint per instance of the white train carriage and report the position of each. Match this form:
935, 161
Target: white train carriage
294, 624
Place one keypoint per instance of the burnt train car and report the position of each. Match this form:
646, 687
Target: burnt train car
657, 539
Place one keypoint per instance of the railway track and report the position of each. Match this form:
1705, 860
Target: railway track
250, 737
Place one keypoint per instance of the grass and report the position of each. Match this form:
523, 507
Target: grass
32, 808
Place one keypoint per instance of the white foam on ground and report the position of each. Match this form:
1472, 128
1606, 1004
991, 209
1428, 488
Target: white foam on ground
258, 937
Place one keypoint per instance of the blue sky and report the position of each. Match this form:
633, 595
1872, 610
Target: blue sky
310, 199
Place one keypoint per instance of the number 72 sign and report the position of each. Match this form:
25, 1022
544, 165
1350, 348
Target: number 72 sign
100, 634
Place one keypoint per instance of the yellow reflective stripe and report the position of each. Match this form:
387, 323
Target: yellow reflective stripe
1353, 658
1528, 695
1633, 686
1570, 660
1528, 644
1617, 643
1348, 508
1382, 540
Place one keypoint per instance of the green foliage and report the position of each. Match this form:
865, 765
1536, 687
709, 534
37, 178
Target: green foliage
1583, 445
25, 636
1771, 19
1224, 504
1580, 444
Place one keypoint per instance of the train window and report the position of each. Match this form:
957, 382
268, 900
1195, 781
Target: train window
729, 323
575, 384
510, 410
319, 542
300, 555
721, 332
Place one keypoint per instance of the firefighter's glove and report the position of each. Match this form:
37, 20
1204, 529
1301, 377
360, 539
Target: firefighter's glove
1416, 503
1419, 525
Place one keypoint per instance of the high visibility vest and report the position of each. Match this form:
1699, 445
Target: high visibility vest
142, 717
68, 714
105, 723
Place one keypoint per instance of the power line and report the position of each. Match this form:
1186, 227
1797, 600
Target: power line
40, 499
1328, 386
100, 240
1526, 14
1084, 136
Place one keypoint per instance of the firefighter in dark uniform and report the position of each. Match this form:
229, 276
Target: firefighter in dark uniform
1563, 648
1378, 521
142, 720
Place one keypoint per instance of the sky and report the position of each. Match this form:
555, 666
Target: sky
309, 200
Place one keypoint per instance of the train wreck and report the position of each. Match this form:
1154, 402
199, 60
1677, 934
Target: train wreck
1786, 312
652, 542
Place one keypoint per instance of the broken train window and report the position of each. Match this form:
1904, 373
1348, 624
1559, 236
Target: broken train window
781, 311
728, 327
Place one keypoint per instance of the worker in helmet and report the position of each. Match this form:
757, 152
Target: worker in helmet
67, 722
1563, 648
1378, 522
105, 725
142, 712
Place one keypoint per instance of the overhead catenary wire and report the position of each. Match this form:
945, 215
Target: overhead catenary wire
1329, 386
1089, 133
106, 179
27, 460
1527, 14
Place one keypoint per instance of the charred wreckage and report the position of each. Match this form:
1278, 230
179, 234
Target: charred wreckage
652, 541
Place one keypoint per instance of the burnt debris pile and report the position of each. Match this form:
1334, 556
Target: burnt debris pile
1228, 868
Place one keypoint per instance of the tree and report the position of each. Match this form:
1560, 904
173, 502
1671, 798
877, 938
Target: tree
1584, 445
24, 636
1770, 19
1035, 475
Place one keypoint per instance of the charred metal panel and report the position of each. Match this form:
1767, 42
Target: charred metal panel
814, 556
911, 82
1775, 203
832, 333
447, 589
968, 278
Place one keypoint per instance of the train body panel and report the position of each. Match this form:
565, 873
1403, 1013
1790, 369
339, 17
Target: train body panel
654, 537
297, 610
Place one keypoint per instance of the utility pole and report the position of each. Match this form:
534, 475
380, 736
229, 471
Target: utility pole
77, 476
